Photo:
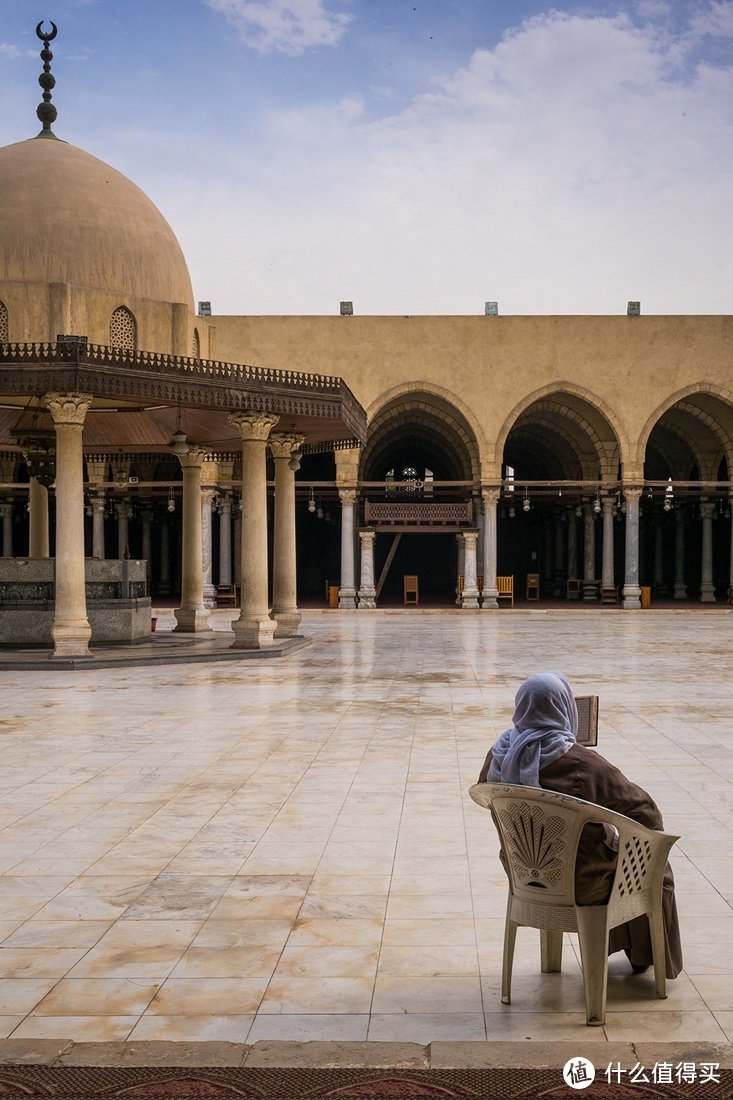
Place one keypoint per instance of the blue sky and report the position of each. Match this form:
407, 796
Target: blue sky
416, 157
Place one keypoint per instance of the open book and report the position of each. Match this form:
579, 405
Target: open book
587, 719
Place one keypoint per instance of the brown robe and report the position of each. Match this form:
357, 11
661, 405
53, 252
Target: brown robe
585, 774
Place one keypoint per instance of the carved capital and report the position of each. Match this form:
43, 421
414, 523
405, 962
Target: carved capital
67, 408
193, 459
282, 444
347, 497
254, 427
367, 535
490, 497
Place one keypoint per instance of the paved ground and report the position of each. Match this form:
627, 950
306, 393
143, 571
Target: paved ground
284, 850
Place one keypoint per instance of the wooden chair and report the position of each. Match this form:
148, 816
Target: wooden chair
533, 586
574, 588
410, 591
226, 595
505, 589
539, 833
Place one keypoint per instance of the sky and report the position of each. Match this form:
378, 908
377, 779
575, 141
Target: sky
410, 156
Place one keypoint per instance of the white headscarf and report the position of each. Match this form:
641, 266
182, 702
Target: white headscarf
545, 727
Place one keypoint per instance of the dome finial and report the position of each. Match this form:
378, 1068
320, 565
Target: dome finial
46, 111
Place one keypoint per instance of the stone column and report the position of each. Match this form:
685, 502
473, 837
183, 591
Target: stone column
560, 546
6, 511
147, 543
707, 587
660, 588
207, 563
37, 520
480, 523
590, 592
124, 511
470, 585
164, 577
254, 628
98, 506
285, 447
367, 591
347, 593
225, 539
572, 545
460, 565
680, 588
70, 630
632, 593
490, 498
237, 567
730, 567
191, 616
608, 584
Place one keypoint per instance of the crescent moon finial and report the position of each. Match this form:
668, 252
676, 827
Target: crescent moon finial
46, 111
47, 37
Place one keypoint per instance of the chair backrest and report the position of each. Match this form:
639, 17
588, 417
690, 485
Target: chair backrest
505, 586
540, 831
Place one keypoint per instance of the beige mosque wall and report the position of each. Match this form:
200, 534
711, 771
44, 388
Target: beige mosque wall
630, 368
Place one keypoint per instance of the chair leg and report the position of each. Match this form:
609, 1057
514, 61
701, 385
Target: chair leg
550, 951
656, 931
510, 936
593, 937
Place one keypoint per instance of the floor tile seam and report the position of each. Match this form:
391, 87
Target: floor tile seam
370, 1012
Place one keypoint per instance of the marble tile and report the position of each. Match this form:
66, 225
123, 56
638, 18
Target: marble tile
312, 813
334, 931
287, 995
207, 997
201, 1029
421, 994
304, 1028
97, 997
227, 962
424, 1028
23, 994
97, 1029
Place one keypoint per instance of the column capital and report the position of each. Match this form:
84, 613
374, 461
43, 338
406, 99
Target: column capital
490, 496
193, 459
367, 534
6, 509
470, 536
67, 408
282, 444
632, 492
347, 496
253, 427
707, 509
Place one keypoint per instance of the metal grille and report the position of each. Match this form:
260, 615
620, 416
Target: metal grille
3, 323
196, 345
122, 329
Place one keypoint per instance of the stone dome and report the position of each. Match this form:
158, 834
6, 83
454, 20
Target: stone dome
66, 217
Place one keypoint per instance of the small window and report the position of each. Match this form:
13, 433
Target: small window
196, 345
123, 329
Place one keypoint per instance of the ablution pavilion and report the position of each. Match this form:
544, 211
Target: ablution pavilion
154, 451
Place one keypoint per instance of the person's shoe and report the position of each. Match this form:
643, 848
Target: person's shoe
637, 968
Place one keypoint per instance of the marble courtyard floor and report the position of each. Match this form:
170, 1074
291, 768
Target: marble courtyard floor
286, 849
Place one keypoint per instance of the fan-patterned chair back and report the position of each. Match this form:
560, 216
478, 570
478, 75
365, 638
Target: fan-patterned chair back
539, 833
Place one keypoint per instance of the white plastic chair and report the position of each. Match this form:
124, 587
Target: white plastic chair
539, 832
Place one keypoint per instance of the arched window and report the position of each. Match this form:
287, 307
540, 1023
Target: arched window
196, 349
123, 329
4, 338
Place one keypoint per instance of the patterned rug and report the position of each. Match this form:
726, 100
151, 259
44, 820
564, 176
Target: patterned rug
155, 1083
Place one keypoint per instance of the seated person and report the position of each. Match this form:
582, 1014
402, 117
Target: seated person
540, 750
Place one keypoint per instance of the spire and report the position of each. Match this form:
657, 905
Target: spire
46, 111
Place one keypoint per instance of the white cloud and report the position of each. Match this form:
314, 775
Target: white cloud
9, 49
716, 20
580, 163
288, 26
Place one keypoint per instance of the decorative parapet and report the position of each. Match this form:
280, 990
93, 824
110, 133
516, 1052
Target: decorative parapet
394, 515
123, 372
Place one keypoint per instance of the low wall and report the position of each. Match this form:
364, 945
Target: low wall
118, 606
